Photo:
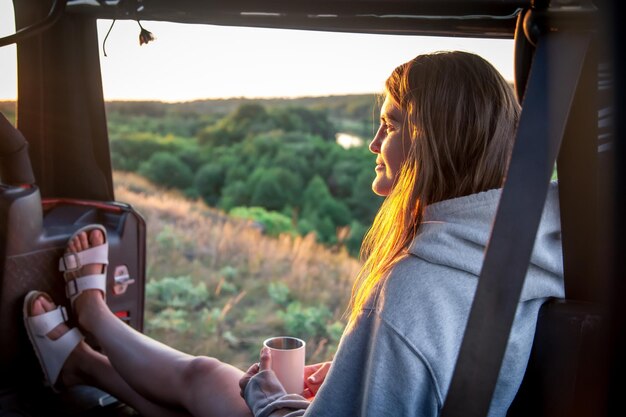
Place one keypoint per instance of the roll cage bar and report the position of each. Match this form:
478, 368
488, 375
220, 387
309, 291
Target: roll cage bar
466, 17
558, 46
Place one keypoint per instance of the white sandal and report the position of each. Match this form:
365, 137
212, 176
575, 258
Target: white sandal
71, 262
51, 354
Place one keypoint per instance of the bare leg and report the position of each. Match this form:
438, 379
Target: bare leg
86, 366
203, 386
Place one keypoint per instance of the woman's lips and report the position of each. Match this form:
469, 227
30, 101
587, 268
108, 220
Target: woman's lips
380, 167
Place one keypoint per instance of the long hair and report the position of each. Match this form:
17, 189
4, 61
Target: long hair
460, 117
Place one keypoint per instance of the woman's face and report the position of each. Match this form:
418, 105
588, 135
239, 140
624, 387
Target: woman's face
390, 147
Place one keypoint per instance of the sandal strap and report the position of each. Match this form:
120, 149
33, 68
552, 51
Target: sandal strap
58, 351
52, 354
73, 261
75, 286
44, 323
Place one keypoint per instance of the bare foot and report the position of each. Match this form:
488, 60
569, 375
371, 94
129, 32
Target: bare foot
88, 298
70, 372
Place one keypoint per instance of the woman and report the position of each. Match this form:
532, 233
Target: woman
446, 132
447, 126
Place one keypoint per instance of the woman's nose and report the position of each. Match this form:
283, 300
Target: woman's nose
375, 143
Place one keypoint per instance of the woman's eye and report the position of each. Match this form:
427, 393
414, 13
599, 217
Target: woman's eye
386, 127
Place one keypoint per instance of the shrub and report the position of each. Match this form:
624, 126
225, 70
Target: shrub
279, 293
305, 322
178, 292
167, 170
272, 222
170, 319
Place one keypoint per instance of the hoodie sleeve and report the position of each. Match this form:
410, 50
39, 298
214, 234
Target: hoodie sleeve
376, 373
266, 397
399, 381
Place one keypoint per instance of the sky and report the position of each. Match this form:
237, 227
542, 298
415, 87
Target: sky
188, 62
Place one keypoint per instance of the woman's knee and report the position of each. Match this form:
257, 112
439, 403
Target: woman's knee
210, 384
199, 369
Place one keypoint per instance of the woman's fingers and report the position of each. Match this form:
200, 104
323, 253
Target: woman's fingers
243, 382
320, 374
266, 359
311, 369
316, 378
264, 365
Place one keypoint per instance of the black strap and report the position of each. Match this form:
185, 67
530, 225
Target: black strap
553, 80
15, 168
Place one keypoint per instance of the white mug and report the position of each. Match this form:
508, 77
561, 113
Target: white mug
288, 361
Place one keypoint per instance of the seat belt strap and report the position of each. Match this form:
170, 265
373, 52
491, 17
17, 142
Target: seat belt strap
556, 69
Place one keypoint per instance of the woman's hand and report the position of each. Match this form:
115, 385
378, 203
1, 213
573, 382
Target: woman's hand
314, 375
266, 395
264, 365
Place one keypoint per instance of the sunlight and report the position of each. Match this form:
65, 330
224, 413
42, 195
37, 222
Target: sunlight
8, 54
190, 62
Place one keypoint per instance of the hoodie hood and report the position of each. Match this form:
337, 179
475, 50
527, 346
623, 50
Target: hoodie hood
455, 233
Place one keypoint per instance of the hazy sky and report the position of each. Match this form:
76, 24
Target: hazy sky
188, 62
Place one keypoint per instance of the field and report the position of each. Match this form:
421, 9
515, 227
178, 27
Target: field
255, 216
218, 286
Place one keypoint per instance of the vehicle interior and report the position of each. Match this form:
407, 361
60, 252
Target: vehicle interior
56, 176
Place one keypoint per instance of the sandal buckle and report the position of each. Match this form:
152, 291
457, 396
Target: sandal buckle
71, 288
71, 262
64, 313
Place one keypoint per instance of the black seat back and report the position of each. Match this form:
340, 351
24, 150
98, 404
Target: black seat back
562, 377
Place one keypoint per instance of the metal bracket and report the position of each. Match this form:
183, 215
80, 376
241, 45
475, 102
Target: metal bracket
122, 280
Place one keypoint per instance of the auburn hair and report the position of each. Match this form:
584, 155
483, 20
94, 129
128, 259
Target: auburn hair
460, 117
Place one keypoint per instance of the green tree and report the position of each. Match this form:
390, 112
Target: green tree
315, 193
167, 170
247, 120
336, 211
301, 119
355, 239
363, 202
234, 194
322, 211
274, 188
209, 181
130, 149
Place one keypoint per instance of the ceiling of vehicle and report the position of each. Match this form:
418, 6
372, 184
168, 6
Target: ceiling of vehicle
480, 18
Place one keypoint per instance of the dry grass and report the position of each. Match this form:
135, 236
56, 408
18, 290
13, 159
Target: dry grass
237, 263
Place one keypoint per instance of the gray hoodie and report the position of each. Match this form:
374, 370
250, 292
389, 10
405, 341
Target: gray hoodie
399, 358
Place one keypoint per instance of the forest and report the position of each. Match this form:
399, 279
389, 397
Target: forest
276, 162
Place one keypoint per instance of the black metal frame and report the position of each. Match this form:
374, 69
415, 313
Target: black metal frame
616, 247
428, 17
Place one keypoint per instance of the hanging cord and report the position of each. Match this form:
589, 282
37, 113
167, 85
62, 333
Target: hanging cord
145, 36
104, 42
55, 14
